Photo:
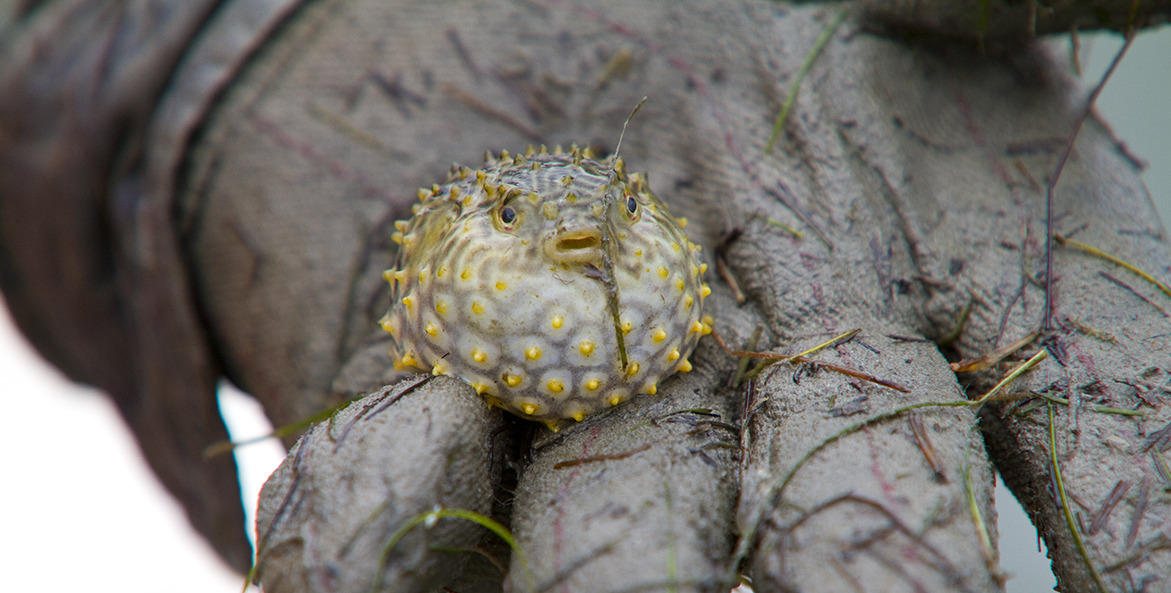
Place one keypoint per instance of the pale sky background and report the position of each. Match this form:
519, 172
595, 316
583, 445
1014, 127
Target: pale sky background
81, 511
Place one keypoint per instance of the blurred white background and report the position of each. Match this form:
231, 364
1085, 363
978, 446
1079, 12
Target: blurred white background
83, 512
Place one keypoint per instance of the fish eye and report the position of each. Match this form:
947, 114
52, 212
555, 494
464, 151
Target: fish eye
631, 205
507, 215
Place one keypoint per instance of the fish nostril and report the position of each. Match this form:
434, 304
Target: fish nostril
576, 243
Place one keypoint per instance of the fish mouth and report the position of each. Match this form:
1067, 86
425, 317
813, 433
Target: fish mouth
577, 246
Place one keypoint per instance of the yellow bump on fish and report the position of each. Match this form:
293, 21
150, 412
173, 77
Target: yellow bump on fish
684, 367
705, 290
397, 237
682, 220
503, 259
632, 369
550, 210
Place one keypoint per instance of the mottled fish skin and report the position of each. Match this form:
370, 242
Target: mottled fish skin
501, 281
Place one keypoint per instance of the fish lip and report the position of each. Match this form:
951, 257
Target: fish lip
578, 245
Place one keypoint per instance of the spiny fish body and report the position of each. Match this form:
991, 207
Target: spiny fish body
509, 277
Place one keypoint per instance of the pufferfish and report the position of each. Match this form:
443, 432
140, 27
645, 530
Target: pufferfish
555, 284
